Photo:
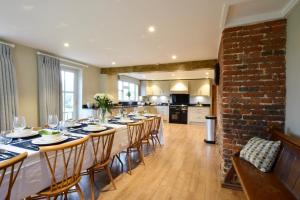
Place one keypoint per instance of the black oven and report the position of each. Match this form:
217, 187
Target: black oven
178, 114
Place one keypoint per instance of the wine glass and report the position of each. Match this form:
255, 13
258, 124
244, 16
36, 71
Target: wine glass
3, 138
52, 121
19, 124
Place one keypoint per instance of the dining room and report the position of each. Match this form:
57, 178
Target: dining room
149, 99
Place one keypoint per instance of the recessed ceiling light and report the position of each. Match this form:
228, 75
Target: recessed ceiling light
28, 7
113, 63
174, 57
151, 29
206, 73
172, 74
66, 44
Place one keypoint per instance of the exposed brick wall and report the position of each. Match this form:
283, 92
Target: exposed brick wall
252, 84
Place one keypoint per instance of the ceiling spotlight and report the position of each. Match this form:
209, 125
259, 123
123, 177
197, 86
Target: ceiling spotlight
174, 57
66, 44
206, 73
113, 63
151, 29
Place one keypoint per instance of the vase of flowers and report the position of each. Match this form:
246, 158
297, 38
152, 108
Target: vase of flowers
104, 103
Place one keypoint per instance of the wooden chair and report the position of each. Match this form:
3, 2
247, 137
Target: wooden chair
155, 130
9, 166
135, 131
146, 137
102, 144
71, 156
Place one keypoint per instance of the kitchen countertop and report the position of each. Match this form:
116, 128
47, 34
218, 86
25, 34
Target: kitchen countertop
132, 106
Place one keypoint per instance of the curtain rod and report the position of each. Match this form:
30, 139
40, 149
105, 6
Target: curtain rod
63, 59
8, 44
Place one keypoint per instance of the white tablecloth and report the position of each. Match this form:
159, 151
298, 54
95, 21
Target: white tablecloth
34, 175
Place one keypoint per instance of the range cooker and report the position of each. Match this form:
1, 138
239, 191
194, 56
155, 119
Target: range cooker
178, 114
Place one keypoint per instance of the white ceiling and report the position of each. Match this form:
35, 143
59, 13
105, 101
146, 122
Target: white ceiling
196, 74
102, 31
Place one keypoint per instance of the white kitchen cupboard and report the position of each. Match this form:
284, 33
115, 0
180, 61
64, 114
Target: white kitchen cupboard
155, 88
199, 87
197, 114
164, 112
179, 86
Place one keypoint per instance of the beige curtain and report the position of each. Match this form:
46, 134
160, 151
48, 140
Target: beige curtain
49, 80
8, 90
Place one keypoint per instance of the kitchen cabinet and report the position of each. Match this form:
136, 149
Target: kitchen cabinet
155, 88
179, 86
164, 112
199, 87
197, 114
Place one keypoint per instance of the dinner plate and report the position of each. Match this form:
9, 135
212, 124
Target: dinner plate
149, 115
94, 128
43, 141
125, 121
73, 125
139, 117
23, 134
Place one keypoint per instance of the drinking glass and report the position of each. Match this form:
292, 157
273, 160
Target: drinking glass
63, 126
19, 123
52, 121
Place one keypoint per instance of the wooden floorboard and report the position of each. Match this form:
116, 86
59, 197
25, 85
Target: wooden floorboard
184, 168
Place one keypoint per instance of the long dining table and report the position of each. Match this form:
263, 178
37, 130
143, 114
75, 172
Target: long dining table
34, 174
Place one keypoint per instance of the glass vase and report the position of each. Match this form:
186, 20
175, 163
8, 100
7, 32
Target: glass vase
102, 116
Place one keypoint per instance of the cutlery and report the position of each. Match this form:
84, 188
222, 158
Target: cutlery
32, 147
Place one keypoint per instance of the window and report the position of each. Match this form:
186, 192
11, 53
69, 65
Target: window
69, 79
125, 87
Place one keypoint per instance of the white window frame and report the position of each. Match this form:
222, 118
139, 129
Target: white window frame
134, 94
76, 92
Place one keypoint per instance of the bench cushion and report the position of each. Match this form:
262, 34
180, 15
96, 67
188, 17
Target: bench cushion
258, 185
261, 153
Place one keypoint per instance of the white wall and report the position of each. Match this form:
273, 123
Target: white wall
292, 123
25, 60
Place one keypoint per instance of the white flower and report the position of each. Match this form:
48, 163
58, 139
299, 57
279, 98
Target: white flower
110, 97
100, 95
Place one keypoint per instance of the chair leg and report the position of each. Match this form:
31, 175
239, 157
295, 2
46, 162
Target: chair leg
129, 161
157, 138
66, 195
92, 182
153, 142
118, 157
80, 193
141, 154
112, 161
110, 176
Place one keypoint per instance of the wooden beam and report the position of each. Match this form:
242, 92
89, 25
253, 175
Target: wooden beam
184, 66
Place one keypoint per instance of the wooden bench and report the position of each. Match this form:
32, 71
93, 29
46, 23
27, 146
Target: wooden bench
283, 182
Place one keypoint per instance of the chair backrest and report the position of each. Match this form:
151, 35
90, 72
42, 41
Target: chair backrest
135, 131
287, 165
148, 124
12, 167
156, 123
102, 143
70, 155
